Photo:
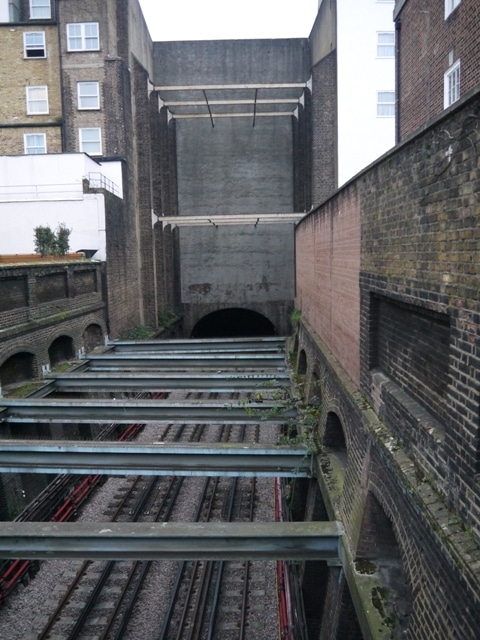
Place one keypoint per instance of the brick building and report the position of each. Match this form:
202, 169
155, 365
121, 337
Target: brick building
388, 290
386, 277
438, 49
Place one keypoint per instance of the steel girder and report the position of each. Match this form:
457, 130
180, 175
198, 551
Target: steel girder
185, 361
226, 345
159, 459
135, 381
172, 541
43, 410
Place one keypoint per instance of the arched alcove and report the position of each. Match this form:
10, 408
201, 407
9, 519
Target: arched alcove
61, 350
379, 554
315, 390
18, 368
334, 438
233, 323
334, 441
92, 337
302, 362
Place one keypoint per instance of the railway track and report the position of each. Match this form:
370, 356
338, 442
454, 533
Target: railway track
102, 598
167, 599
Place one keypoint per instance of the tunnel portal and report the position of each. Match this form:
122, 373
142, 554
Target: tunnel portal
233, 323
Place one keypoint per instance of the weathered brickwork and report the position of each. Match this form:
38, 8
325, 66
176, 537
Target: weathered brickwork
29, 72
409, 411
428, 45
142, 166
12, 141
302, 156
34, 320
324, 110
327, 260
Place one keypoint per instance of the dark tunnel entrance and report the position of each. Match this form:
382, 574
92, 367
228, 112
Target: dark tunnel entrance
233, 323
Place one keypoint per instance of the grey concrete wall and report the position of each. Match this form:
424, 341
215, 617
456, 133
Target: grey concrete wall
323, 37
235, 167
232, 61
237, 265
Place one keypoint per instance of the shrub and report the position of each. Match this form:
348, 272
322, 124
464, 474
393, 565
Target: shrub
48, 242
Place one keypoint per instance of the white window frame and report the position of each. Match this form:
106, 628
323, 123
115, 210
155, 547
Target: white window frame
450, 6
451, 84
385, 45
34, 148
84, 144
32, 101
85, 39
35, 46
385, 103
83, 97
40, 9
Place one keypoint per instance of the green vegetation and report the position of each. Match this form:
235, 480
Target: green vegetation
139, 332
295, 317
48, 242
168, 317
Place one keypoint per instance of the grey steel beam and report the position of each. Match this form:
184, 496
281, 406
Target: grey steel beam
212, 382
236, 345
171, 541
179, 362
157, 459
43, 410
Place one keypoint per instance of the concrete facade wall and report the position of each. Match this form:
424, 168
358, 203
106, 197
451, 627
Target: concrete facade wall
363, 136
410, 431
230, 168
251, 269
53, 189
428, 44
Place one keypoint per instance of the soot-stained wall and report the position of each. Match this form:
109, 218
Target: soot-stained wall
234, 165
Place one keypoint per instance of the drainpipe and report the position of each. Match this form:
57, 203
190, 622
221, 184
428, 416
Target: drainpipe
398, 26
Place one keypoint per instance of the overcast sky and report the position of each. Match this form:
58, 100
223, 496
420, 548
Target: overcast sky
228, 19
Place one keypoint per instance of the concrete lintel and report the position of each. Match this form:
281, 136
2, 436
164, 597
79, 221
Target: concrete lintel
78, 411
217, 87
219, 219
159, 459
213, 382
171, 541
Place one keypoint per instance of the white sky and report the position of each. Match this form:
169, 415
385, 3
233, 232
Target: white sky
228, 19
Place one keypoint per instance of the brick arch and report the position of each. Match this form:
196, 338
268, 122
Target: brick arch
18, 367
232, 322
61, 349
380, 553
18, 347
93, 336
315, 391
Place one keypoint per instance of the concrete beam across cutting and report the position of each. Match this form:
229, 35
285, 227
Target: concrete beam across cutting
212, 382
159, 459
77, 411
172, 541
